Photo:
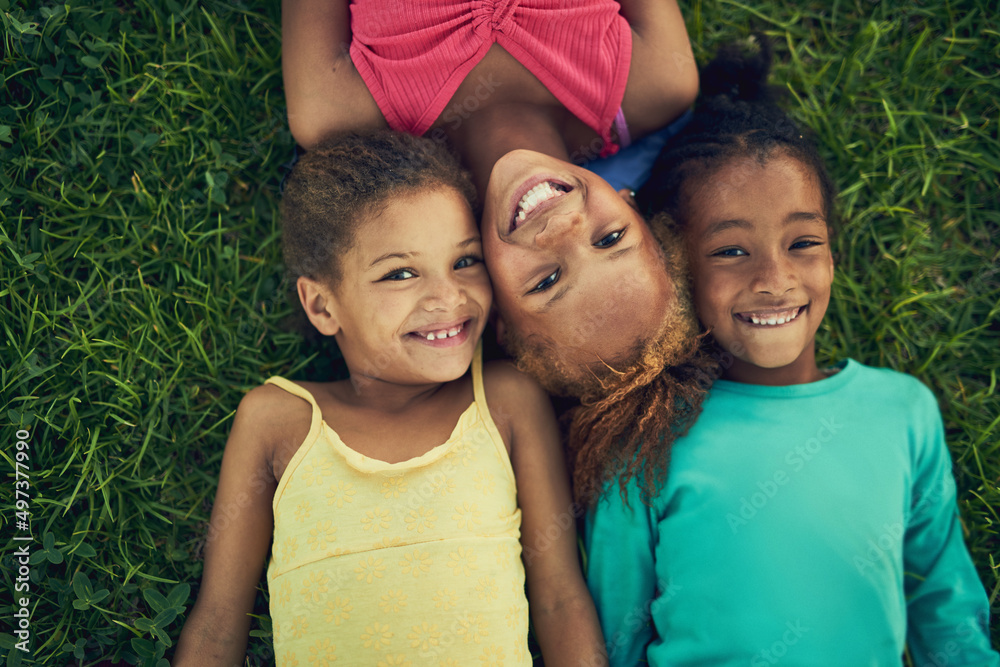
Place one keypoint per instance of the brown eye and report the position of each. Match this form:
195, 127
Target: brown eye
399, 274
611, 239
546, 283
730, 252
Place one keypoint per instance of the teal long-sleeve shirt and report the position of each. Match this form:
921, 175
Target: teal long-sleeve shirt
811, 524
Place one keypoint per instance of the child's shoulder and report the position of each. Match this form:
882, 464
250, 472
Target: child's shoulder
503, 381
891, 383
891, 393
269, 405
274, 419
510, 393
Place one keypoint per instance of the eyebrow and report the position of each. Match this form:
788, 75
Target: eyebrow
407, 255
804, 216
392, 255
561, 293
740, 223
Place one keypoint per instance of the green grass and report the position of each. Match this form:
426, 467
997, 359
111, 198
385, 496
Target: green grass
141, 293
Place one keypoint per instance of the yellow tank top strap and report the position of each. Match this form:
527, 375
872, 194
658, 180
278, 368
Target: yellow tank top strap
293, 389
315, 424
484, 410
477, 379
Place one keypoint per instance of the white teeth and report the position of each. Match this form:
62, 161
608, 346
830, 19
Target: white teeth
444, 333
773, 319
537, 195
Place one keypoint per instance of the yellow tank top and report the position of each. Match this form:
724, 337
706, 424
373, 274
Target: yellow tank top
410, 563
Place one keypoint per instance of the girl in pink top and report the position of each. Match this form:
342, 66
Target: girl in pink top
521, 89
490, 75
414, 57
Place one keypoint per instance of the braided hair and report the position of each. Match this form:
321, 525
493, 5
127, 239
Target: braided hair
737, 116
627, 430
632, 411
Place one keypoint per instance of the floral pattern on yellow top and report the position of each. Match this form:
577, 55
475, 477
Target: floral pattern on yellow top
397, 564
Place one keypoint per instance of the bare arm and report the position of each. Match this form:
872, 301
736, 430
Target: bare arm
563, 612
239, 534
663, 78
323, 90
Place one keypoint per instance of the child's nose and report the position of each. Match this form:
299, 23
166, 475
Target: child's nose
774, 275
559, 228
445, 293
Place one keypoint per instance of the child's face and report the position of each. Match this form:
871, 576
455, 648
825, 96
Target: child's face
571, 259
761, 266
415, 294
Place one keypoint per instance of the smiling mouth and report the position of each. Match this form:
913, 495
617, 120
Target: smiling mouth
443, 335
534, 198
438, 334
771, 318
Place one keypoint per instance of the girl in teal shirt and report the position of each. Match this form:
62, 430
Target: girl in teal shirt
809, 514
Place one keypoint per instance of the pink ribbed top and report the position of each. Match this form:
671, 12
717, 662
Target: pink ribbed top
413, 55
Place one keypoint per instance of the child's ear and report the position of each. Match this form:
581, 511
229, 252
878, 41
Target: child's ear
320, 306
833, 260
629, 197
501, 328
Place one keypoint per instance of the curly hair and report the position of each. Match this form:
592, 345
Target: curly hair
631, 409
630, 417
348, 179
736, 116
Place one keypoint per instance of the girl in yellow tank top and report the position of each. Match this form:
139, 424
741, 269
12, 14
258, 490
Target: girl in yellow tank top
388, 503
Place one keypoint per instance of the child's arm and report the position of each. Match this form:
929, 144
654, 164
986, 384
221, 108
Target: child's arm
239, 534
563, 613
323, 90
947, 609
620, 542
663, 76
